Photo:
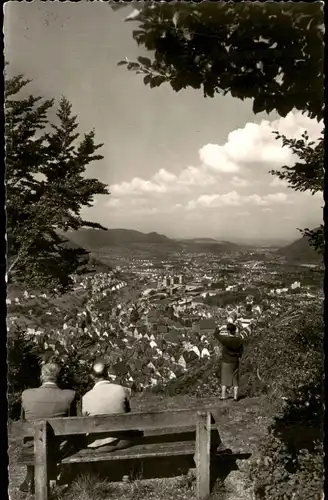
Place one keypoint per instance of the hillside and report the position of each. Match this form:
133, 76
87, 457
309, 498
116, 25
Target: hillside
208, 245
95, 239
94, 320
199, 240
301, 252
98, 240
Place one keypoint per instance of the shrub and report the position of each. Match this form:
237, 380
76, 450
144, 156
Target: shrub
23, 369
289, 472
286, 356
290, 359
203, 377
24, 362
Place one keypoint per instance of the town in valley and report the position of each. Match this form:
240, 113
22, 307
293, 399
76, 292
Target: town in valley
153, 307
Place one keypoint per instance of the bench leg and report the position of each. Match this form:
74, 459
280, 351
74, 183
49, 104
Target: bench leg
202, 455
41, 459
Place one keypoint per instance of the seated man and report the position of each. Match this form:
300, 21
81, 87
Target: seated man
104, 399
46, 401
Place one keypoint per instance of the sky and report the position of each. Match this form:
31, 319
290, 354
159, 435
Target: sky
176, 163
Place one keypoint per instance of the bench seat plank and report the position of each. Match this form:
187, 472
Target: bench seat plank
135, 452
151, 436
119, 422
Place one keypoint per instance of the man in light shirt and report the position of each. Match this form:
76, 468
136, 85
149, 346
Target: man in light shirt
105, 399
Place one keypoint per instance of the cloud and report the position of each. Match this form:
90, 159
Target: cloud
276, 182
128, 206
231, 183
216, 158
256, 143
215, 200
163, 182
124, 203
252, 144
113, 202
276, 198
233, 199
238, 182
137, 186
164, 177
148, 211
193, 176
243, 214
269, 199
255, 199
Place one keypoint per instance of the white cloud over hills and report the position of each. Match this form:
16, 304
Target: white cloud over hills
213, 182
163, 182
234, 199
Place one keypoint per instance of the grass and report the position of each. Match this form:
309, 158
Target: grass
93, 488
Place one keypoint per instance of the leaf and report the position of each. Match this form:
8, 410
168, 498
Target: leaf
145, 61
156, 81
147, 79
133, 66
122, 63
211, 37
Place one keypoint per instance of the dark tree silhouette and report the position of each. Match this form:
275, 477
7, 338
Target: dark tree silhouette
307, 174
269, 52
46, 187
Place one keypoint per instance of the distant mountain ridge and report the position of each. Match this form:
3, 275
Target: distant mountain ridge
200, 240
97, 240
209, 245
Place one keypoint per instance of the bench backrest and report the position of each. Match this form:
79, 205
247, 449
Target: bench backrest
119, 422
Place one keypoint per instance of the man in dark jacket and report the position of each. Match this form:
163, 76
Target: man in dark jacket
46, 401
232, 350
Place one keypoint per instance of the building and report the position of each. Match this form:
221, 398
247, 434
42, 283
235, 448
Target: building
172, 280
295, 285
167, 281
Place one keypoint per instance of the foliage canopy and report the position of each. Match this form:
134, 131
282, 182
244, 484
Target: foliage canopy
307, 174
269, 52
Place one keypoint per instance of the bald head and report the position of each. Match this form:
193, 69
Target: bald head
99, 370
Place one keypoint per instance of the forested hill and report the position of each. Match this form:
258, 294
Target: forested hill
300, 251
94, 239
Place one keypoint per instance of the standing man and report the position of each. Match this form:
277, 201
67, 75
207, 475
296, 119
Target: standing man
46, 401
104, 399
232, 350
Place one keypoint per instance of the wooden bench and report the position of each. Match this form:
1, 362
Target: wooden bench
166, 434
